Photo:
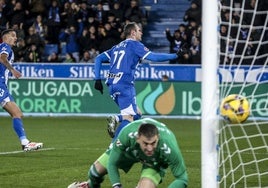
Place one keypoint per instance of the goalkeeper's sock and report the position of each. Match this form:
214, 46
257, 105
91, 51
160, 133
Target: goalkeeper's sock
18, 127
95, 178
120, 127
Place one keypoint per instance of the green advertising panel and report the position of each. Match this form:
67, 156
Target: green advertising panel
60, 96
80, 97
169, 98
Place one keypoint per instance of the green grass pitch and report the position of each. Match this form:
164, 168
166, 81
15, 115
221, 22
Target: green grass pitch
73, 144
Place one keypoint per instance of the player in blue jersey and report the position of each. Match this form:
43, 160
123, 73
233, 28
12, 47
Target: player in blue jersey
9, 38
124, 58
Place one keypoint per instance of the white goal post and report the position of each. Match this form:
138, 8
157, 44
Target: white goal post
234, 61
209, 88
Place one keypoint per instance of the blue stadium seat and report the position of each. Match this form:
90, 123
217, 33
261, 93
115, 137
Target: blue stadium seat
50, 48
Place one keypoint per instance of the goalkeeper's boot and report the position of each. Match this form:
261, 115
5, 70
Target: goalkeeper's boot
79, 185
32, 146
112, 125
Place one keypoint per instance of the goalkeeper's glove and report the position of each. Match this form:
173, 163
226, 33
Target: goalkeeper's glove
98, 86
118, 185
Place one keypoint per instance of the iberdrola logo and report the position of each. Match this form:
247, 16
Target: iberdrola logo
157, 101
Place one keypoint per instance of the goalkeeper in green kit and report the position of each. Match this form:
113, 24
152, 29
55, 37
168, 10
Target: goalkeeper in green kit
145, 141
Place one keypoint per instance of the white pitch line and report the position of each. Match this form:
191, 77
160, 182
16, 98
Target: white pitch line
21, 151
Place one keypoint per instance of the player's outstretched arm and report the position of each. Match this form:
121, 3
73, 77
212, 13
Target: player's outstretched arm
112, 168
159, 57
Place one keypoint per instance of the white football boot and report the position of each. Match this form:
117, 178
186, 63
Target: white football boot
79, 185
32, 146
112, 125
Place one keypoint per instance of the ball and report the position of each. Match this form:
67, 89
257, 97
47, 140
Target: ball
235, 109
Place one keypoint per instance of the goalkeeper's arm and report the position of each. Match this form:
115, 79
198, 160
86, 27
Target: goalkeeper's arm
112, 167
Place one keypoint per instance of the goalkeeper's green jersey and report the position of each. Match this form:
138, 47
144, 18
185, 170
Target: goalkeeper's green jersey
126, 151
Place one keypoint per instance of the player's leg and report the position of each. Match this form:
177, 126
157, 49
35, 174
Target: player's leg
96, 174
98, 170
125, 97
150, 178
115, 120
16, 115
11, 107
146, 182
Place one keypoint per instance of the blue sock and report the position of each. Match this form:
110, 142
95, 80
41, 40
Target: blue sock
120, 127
120, 118
18, 127
137, 116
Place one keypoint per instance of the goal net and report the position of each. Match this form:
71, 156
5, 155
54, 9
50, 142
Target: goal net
242, 149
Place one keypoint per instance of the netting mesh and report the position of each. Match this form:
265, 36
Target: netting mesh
243, 39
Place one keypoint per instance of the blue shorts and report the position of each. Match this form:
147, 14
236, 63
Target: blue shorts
125, 97
5, 96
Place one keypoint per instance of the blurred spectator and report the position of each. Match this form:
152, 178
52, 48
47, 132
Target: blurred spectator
20, 31
53, 22
86, 58
65, 13
258, 19
176, 42
93, 53
61, 22
101, 14
114, 24
84, 40
195, 51
118, 12
53, 58
40, 27
34, 38
84, 12
3, 18
190, 28
38, 7
71, 36
223, 42
193, 13
93, 36
91, 21
108, 37
134, 13
19, 50
250, 52
69, 58
32, 54
16, 14
182, 29
165, 78
74, 16
89, 39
